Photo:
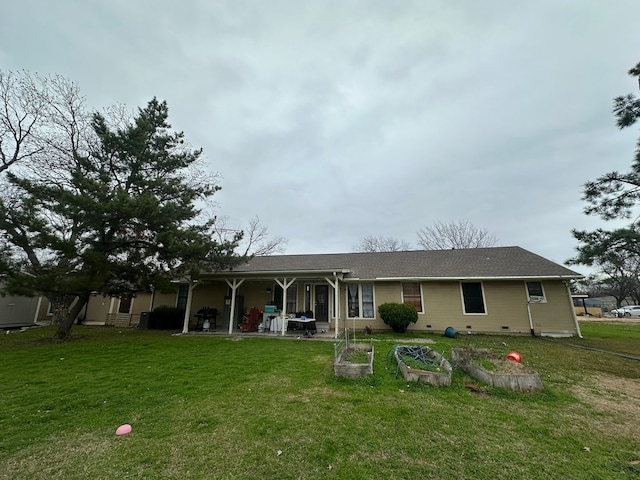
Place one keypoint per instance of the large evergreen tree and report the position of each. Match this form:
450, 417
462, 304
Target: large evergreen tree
615, 195
117, 219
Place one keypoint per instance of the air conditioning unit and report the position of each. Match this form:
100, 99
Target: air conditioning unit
535, 298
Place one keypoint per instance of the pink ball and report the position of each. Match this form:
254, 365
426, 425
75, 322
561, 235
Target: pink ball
123, 429
514, 356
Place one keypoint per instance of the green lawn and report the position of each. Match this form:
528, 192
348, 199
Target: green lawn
215, 407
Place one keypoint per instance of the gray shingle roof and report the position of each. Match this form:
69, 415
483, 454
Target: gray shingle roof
508, 262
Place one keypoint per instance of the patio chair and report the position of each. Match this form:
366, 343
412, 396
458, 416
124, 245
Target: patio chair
251, 323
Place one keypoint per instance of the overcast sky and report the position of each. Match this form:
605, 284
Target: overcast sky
334, 120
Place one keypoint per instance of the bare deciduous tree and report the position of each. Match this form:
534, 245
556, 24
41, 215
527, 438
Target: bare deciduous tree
255, 239
380, 243
43, 123
23, 109
462, 234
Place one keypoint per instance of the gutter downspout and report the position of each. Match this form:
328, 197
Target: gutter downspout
533, 334
573, 310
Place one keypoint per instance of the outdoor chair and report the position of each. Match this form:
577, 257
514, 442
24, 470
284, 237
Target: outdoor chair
251, 322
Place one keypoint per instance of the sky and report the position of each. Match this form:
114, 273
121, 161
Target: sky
336, 120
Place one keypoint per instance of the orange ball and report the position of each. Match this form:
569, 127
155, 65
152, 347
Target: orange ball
514, 357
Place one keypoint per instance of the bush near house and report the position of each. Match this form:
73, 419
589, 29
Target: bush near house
398, 315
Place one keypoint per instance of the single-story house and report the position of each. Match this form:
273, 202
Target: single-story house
506, 290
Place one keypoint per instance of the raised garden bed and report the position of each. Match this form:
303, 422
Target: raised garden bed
495, 370
422, 364
354, 361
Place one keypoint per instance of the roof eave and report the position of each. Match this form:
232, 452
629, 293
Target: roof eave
462, 278
276, 273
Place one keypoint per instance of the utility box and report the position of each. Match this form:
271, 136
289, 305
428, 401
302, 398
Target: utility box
145, 318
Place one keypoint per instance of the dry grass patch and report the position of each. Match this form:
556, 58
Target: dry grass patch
617, 398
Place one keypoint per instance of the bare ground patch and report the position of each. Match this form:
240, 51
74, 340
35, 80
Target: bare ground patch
614, 395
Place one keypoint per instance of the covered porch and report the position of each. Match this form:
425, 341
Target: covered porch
267, 303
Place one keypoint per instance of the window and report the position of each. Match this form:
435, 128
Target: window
360, 300
307, 297
292, 298
183, 294
473, 298
412, 295
535, 293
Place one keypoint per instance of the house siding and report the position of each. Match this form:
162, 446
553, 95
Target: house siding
18, 311
505, 304
97, 309
557, 315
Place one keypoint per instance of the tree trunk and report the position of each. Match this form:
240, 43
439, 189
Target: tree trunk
71, 312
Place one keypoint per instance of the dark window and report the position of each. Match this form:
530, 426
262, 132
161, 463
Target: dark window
277, 297
360, 299
411, 295
292, 298
307, 297
353, 302
367, 300
472, 295
535, 289
183, 294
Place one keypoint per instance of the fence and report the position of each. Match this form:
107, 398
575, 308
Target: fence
341, 344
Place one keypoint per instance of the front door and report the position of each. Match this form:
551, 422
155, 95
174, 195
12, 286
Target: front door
321, 313
125, 304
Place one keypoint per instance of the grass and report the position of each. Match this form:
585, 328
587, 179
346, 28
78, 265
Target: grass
215, 407
357, 356
488, 365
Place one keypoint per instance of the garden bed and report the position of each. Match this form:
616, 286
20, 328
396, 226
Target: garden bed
354, 361
422, 364
495, 370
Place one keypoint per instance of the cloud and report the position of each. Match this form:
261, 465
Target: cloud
336, 120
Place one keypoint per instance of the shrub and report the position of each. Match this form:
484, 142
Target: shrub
398, 315
165, 317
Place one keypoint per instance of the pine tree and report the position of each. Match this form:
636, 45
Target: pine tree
119, 219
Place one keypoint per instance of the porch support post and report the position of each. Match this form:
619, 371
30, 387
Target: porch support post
234, 285
284, 284
335, 283
187, 311
152, 299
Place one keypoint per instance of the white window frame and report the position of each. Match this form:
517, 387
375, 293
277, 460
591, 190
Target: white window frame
360, 309
421, 294
535, 299
484, 299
